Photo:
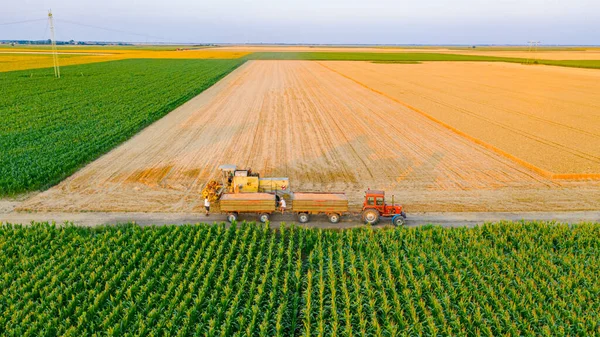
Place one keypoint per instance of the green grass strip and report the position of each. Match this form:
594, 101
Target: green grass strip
411, 57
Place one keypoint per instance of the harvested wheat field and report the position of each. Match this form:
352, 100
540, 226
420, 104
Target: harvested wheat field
322, 130
544, 117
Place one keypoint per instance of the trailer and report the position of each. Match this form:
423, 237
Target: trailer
305, 204
234, 204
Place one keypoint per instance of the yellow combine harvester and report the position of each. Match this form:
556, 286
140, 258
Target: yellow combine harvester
243, 181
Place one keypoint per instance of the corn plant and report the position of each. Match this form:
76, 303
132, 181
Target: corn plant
507, 279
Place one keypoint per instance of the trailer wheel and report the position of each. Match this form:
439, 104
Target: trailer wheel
334, 217
264, 217
231, 217
398, 220
303, 217
370, 216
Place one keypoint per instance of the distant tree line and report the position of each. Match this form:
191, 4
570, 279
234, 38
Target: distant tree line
70, 42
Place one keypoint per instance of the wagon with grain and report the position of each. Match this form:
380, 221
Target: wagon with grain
305, 204
263, 204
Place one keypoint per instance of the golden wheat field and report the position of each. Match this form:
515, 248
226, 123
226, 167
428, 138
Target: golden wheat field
545, 118
10, 62
323, 130
21, 59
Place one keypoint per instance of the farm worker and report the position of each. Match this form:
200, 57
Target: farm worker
207, 205
282, 205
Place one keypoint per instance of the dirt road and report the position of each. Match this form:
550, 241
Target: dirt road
348, 221
301, 120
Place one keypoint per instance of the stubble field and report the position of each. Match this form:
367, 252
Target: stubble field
545, 118
325, 132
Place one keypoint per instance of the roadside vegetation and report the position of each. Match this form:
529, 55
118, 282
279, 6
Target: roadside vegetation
50, 128
517, 279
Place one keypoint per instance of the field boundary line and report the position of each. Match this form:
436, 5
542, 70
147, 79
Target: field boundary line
538, 170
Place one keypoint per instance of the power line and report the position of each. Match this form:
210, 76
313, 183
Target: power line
37, 11
89, 26
46, 30
111, 29
19, 22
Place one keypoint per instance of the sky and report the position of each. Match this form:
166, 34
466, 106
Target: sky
435, 22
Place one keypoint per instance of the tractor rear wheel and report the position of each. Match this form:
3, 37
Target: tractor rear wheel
231, 217
334, 217
370, 216
264, 217
303, 217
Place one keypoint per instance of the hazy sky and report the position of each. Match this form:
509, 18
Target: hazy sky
310, 21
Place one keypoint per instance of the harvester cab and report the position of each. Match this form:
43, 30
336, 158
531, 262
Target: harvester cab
213, 188
227, 172
374, 208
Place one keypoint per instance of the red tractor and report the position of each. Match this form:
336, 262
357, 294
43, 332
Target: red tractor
374, 208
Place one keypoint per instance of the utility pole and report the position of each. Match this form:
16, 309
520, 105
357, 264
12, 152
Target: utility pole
53, 43
535, 54
533, 48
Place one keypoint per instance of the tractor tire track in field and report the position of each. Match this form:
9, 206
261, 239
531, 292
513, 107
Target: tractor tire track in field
322, 130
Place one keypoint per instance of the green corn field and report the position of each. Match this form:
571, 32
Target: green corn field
50, 128
504, 279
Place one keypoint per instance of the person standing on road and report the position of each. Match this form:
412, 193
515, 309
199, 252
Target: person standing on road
207, 205
282, 205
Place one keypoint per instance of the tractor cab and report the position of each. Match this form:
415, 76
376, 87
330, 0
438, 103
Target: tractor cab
374, 207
